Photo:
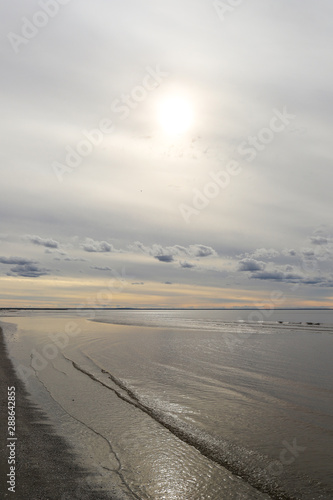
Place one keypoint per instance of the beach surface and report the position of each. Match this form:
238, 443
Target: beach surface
45, 466
177, 405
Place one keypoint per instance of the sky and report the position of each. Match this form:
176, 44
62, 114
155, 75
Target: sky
166, 154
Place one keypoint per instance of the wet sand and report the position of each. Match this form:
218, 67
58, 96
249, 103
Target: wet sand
45, 464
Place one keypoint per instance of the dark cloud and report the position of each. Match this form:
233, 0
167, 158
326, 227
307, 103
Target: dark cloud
327, 284
91, 245
28, 271
314, 281
186, 265
250, 265
164, 258
276, 275
319, 240
16, 260
268, 275
45, 242
308, 252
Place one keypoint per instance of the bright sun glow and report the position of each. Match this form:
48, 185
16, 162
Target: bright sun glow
175, 115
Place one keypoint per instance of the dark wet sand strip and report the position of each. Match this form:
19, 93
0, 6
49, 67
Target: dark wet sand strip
45, 464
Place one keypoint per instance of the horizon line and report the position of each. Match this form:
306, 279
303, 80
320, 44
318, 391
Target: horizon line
167, 308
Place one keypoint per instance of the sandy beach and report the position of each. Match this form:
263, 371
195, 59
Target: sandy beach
45, 467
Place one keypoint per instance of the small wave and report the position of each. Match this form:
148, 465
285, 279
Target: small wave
250, 465
257, 326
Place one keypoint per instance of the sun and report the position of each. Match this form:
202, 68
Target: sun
175, 115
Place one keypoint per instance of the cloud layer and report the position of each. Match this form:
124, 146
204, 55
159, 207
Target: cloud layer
92, 184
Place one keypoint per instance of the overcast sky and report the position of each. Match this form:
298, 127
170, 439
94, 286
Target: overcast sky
166, 154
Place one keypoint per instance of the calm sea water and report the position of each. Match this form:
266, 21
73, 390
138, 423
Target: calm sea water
187, 404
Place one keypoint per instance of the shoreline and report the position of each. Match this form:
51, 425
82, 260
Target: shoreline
45, 465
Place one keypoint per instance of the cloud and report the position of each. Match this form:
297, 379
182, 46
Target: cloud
74, 259
28, 271
178, 249
186, 265
260, 253
91, 245
289, 252
316, 280
319, 281
168, 283
16, 260
168, 253
289, 268
163, 254
251, 265
265, 253
98, 268
58, 252
319, 240
164, 258
137, 245
37, 240
138, 283
276, 275
100, 199
308, 252
201, 251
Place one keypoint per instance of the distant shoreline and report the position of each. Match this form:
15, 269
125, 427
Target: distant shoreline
165, 308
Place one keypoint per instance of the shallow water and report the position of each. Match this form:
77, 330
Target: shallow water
189, 404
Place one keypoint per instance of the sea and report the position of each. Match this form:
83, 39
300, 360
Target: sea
186, 404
